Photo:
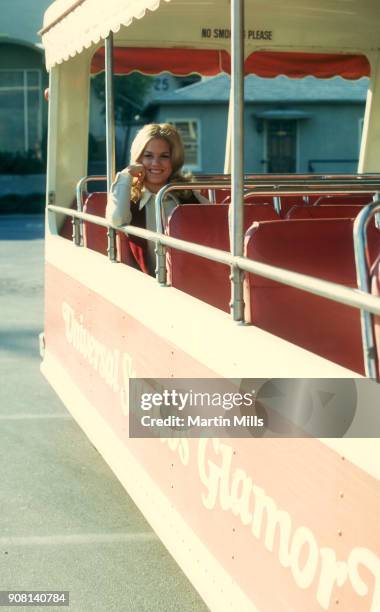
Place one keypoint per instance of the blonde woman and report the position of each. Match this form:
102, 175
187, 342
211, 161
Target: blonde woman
157, 157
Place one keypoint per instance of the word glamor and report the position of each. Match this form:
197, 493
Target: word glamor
233, 490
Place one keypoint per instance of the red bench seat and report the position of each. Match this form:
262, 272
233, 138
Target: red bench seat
206, 224
129, 249
320, 248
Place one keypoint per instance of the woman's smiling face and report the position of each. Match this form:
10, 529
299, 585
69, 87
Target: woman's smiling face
157, 163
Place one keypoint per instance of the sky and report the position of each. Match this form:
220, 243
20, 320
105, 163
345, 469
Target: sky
22, 19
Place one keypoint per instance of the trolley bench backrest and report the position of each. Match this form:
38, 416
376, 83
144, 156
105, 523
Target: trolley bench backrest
94, 236
350, 198
130, 249
322, 248
335, 211
207, 225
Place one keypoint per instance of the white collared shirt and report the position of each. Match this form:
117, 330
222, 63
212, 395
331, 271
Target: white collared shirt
118, 211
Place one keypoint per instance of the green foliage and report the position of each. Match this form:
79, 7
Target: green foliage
96, 149
21, 163
130, 91
33, 203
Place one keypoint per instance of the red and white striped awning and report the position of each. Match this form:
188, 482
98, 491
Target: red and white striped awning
266, 64
184, 36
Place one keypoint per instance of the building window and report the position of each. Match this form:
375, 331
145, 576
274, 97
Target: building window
189, 130
20, 111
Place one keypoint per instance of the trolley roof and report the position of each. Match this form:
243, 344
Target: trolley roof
350, 27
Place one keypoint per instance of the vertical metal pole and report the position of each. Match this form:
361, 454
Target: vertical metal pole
237, 166
227, 156
366, 318
110, 132
160, 250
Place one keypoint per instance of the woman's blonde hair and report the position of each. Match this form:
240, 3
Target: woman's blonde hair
177, 156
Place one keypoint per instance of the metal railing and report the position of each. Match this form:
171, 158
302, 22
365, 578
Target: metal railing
264, 185
268, 186
334, 291
224, 180
211, 182
362, 264
82, 183
357, 298
275, 185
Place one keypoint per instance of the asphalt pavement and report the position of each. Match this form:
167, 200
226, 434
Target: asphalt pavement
66, 523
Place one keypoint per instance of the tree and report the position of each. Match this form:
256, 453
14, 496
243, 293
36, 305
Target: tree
129, 97
129, 92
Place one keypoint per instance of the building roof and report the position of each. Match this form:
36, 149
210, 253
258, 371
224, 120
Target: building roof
279, 89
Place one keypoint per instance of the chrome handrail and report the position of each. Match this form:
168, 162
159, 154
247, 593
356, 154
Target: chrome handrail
357, 298
224, 180
374, 176
110, 130
274, 187
362, 273
266, 185
80, 188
